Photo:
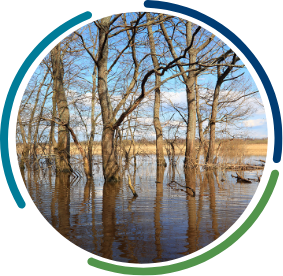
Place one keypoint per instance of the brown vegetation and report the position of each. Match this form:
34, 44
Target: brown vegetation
231, 149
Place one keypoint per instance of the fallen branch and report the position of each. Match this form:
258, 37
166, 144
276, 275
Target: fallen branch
131, 187
260, 160
241, 179
187, 187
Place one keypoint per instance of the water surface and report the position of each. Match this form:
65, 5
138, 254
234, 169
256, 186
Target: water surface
164, 222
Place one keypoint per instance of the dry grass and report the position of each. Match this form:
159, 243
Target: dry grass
228, 149
256, 149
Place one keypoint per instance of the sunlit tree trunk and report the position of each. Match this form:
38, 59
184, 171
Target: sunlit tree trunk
190, 156
63, 145
156, 119
109, 157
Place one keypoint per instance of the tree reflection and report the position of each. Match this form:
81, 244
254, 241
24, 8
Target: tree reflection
190, 176
212, 200
158, 206
110, 190
62, 188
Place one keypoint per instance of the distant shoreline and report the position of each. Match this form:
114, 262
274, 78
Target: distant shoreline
249, 149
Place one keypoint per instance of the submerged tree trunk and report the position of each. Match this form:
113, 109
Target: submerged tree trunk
63, 145
109, 157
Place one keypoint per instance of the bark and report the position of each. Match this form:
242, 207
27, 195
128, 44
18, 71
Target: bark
217, 153
63, 146
109, 157
211, 148
190, 156
157, 125
200, 130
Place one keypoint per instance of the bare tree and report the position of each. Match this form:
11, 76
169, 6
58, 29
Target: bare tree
189, 80
110, 123
220, 79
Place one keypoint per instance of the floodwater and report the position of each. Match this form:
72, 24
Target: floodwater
166, 221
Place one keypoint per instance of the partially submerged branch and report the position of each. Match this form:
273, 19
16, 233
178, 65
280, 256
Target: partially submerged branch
131, 187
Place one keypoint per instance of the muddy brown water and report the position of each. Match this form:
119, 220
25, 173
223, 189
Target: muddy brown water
164, 222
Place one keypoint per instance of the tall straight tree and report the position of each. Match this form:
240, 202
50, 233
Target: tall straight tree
156, 120
62, 148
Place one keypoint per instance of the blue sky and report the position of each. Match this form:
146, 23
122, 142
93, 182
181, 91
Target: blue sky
258, 124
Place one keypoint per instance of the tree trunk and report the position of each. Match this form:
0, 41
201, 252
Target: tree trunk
190, 157
157, 125
109, 156
211, 147
217, 153
63, 146
191, 101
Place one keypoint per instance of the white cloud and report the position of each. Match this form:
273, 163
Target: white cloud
145, 121
176, 97
254, 123
258, 134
